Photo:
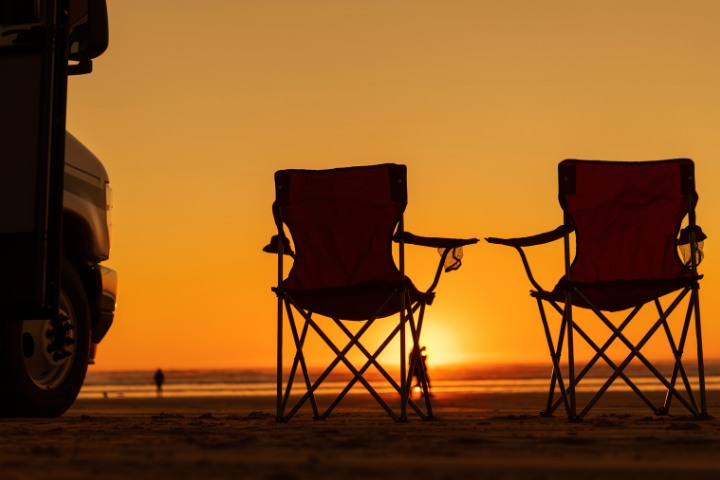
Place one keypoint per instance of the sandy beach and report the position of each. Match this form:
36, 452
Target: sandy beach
498, 436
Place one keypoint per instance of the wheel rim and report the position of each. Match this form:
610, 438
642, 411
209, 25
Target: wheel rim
48, 347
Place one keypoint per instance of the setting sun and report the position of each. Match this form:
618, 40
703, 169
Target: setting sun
442, 344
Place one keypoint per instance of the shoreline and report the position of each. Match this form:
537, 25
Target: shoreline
511, 402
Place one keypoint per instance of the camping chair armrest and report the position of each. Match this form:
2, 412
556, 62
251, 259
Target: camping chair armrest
533, 240
450, 250
275, 246
433, 242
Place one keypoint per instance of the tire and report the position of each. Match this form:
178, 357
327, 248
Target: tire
43, 366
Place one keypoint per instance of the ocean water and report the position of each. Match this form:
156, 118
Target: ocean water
523, 378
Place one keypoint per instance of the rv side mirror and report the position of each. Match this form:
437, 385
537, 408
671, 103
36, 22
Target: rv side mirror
87, 33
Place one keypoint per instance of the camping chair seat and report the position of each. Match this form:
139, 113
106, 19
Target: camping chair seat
357, 302
617, 295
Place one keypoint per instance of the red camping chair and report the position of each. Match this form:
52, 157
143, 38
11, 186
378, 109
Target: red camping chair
343, 222
627, 219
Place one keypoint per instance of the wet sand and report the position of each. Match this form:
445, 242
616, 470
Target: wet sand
493, 436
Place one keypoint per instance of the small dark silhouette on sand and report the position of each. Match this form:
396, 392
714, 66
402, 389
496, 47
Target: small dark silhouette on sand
159, 381
420, 372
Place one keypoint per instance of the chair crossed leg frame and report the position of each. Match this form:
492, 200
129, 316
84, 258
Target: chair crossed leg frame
567, 389
406, 318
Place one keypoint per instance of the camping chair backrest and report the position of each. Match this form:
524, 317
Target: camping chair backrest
627, 216
341, 222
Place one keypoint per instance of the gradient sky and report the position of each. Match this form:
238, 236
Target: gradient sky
196, 104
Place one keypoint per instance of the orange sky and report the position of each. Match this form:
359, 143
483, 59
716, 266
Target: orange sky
196, 104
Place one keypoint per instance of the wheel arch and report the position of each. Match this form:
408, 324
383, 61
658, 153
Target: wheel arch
78, 252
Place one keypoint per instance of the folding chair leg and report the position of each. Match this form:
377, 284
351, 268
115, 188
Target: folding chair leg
553, 403
300, 358
635, 352
415, 331
556, 379
600, 354
572, 412
372, 361
283, 397
555, 358
693, 308
340, 356
310, 389
279, 412
681, 348
701, 362
404, 387
678, 367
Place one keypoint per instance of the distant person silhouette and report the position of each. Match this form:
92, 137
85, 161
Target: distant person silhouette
159, 380
420, 372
